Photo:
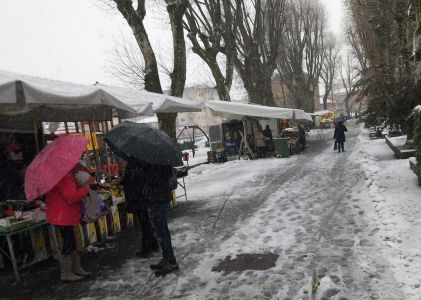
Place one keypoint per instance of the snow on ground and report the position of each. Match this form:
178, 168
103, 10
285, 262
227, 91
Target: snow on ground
206, 182
393, 205
398, 141
348, 221
200, 153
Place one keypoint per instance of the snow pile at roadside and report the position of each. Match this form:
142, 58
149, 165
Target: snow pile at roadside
393, 204
398, 141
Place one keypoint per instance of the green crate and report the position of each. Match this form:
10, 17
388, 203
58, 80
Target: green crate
281, 147
17, 226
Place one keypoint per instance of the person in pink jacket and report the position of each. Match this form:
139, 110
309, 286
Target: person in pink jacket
64, 212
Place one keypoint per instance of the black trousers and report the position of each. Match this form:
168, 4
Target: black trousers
149, 242
69, 242
158, 215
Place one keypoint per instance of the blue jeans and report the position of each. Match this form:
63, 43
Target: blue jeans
341, 146
158, 215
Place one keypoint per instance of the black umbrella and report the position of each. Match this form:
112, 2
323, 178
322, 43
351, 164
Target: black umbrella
144, 143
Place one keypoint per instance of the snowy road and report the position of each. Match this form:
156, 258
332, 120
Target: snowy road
306, 209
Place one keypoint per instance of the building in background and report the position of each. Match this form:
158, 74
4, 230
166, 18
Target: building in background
203, 119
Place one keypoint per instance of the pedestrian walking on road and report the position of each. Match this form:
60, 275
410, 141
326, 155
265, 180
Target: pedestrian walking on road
339, 136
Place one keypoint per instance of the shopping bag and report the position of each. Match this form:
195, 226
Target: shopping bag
93, 207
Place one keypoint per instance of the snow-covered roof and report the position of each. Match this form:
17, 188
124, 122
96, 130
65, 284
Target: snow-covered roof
31, 98
235, 110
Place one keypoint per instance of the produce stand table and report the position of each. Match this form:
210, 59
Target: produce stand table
12, 257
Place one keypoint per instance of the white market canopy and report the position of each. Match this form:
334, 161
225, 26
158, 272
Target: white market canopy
30, 98
235, 110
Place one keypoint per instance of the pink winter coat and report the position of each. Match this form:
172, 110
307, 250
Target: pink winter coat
63, 202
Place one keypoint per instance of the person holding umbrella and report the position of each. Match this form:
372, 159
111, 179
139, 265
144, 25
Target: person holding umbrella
136, 190
52, 173
153, 154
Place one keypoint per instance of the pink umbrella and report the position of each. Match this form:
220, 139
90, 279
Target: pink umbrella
52, 164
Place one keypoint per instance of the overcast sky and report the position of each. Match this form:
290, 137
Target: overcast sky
73, 40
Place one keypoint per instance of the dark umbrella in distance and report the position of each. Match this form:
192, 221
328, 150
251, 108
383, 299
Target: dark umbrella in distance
142, 142
342, 118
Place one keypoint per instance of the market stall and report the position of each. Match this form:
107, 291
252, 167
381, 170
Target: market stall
240, 135
26, 101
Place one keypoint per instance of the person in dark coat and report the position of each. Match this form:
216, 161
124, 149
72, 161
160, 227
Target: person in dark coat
339, 136
152, 185
268, 133
302, 135
162, 181
136, 190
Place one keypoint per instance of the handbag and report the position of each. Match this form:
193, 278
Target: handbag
93, 207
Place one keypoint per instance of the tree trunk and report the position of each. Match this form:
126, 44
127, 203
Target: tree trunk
261, 93
221, 84
176, 10
325, 96
309, 101
166, 122
417, 45
346, 101
135, 20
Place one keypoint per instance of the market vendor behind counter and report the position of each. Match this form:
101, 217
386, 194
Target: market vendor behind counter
16, 151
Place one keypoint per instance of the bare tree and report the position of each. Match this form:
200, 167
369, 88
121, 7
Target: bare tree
329, 67
134, 13
258, 39
300, 61
210, 26
349, 76
126, 63
417, 47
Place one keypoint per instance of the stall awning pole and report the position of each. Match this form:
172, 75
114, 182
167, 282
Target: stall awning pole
36, 135
97, 160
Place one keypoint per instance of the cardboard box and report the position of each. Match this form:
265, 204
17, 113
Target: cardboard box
103, 227
130, 220
116, 219
92, 237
